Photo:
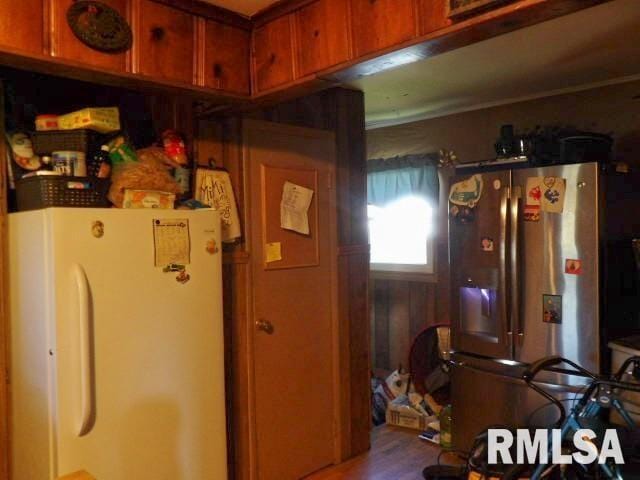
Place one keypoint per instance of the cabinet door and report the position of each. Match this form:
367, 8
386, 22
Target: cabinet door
322, 34
166, 42
378, 24
22, 25
273, 55
226, 58
432, 15
66, 45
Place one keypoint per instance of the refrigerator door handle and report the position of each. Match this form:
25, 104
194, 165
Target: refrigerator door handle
84, 330
504, 213
514, 254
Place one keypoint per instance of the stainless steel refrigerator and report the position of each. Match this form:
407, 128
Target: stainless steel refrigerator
527, 283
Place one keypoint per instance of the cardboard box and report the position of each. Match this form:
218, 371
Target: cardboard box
408, 417
103, 120
148, 199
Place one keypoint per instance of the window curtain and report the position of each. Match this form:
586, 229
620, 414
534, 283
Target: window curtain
389, 179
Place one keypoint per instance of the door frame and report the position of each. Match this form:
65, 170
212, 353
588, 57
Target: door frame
275, 128
5, 443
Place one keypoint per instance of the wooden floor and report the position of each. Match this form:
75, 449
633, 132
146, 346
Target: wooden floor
396, 454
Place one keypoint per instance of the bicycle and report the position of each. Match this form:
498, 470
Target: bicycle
600, 394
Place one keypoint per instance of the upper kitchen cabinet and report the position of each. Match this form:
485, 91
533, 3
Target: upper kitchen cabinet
226, 58
273, 54
165, 42
22, 25
64, 43
378, 24
432, 15
322, 35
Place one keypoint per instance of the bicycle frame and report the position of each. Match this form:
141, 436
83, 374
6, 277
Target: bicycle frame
587, 407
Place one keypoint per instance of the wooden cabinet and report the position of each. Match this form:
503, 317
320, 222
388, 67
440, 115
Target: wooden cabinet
165, 42
322, 35
432, 16
22, 25
273, 54
226, 58
65, 44
379, 24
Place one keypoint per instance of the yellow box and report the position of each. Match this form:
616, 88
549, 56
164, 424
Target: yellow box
148, 199
103, 120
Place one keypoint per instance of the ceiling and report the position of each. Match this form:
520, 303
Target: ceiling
244, 7
596, 46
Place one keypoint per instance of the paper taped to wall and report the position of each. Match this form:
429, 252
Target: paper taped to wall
273, 252
294, 208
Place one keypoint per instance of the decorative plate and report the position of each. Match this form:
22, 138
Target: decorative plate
99, 26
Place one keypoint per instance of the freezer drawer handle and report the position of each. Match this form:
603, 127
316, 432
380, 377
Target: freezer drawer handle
84, 330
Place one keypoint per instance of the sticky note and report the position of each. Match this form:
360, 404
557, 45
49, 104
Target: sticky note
273, 252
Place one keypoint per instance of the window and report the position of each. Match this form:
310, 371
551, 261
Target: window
403, 195
401, 236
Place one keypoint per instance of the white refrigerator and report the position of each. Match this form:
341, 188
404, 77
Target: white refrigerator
116, 360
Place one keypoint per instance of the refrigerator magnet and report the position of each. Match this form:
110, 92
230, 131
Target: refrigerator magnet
183, 277
173, 267
467, 193
552, 308
533, 198
461, 215
211, 247
97, 229
553, 190
573, 266
486, 244
531, 213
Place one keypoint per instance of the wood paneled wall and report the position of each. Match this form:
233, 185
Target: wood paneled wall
400, 310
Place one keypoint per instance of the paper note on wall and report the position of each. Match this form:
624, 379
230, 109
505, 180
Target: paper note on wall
273, 252
213, 188
171, 241
294, 208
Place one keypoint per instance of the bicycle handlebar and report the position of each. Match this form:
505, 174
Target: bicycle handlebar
547, 362
623, 368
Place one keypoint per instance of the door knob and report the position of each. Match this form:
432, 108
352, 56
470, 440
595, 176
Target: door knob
265, 325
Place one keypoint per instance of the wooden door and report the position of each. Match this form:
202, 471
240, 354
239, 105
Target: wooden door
322, 35
273, 54
22, 25
166, 45
379, 24
294, 353
66, 45
226, 58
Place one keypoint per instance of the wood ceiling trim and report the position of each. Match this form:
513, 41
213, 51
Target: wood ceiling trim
278, 9
211, 12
